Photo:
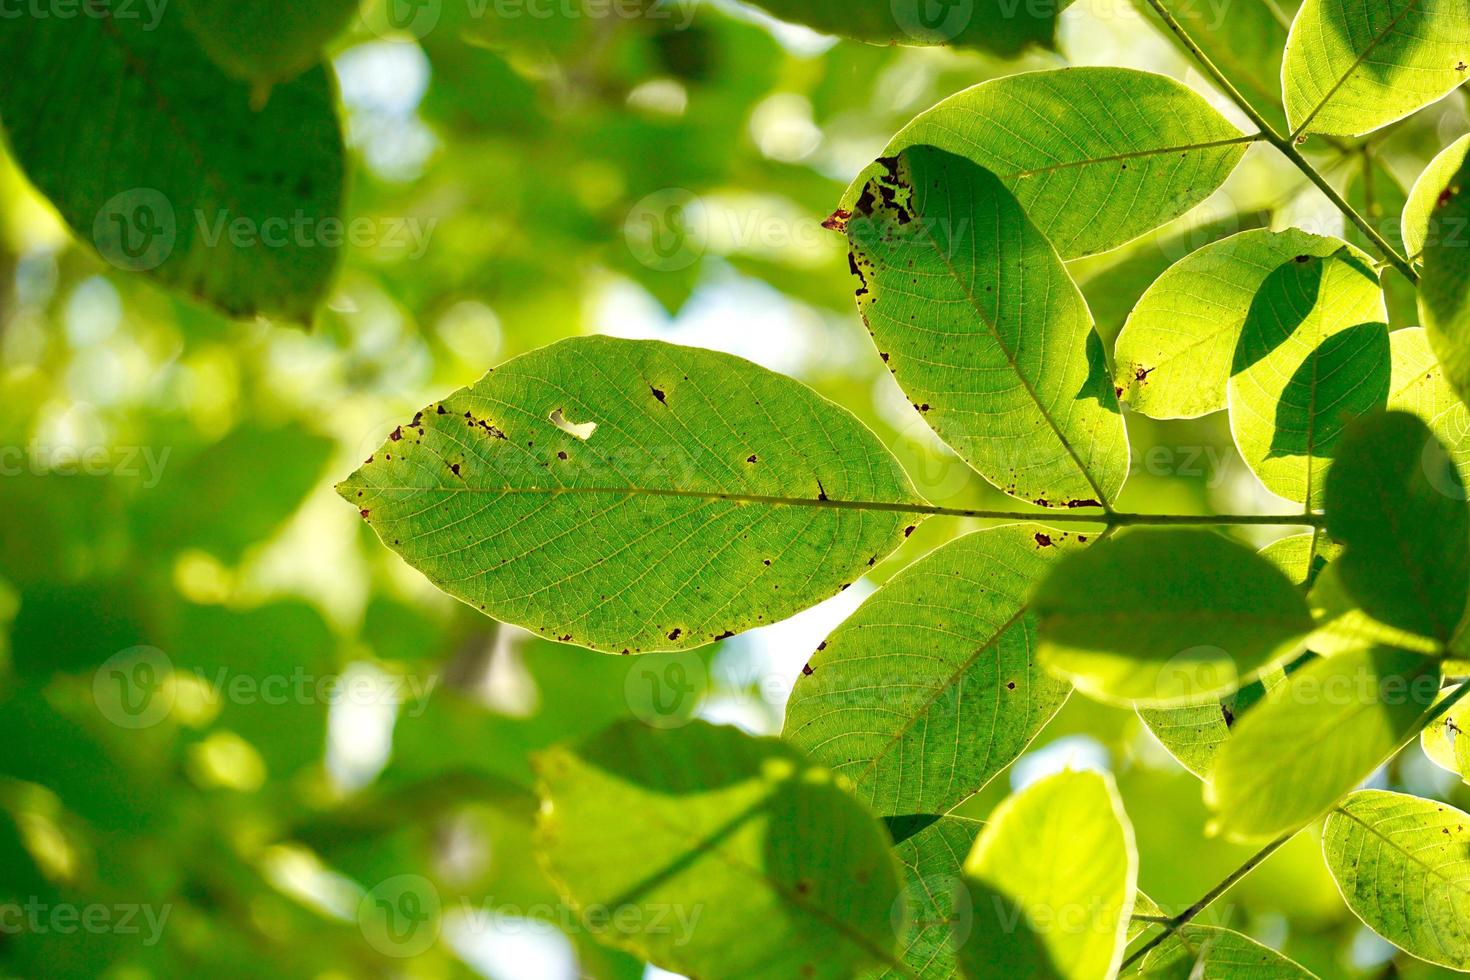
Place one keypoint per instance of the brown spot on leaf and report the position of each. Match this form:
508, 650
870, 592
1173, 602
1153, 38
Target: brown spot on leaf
659, 394
1043, 540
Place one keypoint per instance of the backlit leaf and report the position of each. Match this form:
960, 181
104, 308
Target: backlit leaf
730, 856
1174, 355
1096, 156
1313, 354
1351, 68
938, 906
1052, 882
984, 330
1420, 222
1399, 862
629, 495
1444, 290
1316, 737
941, 656
1397, 504
992, 25
1159, 617
1211, 953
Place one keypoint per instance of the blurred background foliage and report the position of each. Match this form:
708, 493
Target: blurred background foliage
167, 484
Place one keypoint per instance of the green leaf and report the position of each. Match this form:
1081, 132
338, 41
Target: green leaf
938, 909
986, 333
266, 42
723, 855
1342, 625
1444, 290
932, 687
991, 25
1399, 862
1316, 737
711, 496
1420, 223
1312, 354
1351, 68
1417, 386
1245, 41
1193, 733
1175, 352
1159, 617
174, 174
1397, 504
1052, 881
1096, 156
1445, 744
1212, 953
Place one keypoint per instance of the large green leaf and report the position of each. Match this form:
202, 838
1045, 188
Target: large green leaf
993, 25
1397, 504
1351, 68
1420, 224
1052, 882
723, 855
938, 908
1400, 864
1313, 353
1210, 953
984, 330
1174, 355
1159, 617
173, 173
932, 687
266, 42
1316, 737
1096, 156
712, 496
1444, 290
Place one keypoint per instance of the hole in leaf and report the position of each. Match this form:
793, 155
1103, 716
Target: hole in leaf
582, 430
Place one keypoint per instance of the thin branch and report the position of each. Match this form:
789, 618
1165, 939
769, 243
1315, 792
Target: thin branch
1432, 714
1284, 143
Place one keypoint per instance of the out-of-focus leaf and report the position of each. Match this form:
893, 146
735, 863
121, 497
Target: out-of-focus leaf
1158, 617
265, 42
174, 173
943, 655
1315, 737
1351, 69
1400, 864
714, 831
634, 496
984, 330
1397, 504
991, 25
1096, 156
1174, 355
1313, 353
1376, 194
1052, 881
